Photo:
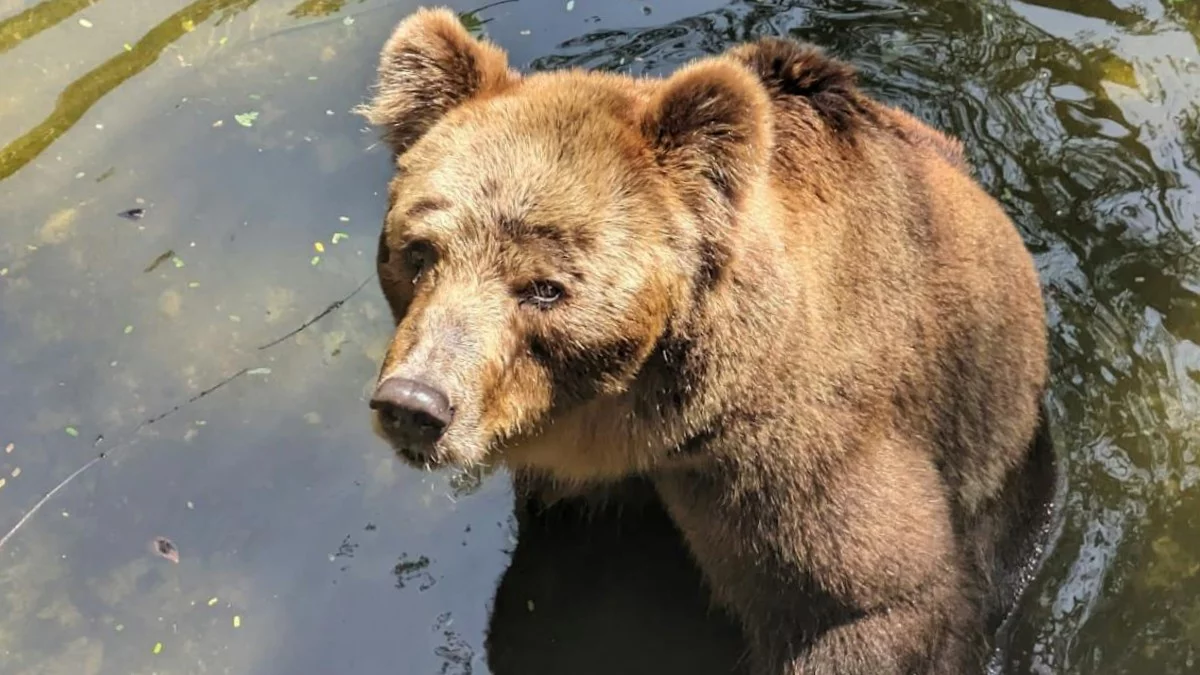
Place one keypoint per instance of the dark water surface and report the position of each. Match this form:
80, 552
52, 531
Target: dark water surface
304, 547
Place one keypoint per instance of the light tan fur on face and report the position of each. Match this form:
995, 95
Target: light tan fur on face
788, 306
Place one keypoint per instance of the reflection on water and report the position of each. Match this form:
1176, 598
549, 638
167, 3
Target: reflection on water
302, 546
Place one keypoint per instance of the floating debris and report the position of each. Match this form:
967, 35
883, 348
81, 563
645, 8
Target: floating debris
526, 31
344, 219
16, 472
176, 262
193, 284
212, 601
259, 371
72, 432
315, 259
3, 481
157, 648
85, 23
348, 21
3, 271
237, 621
246, 119
570, 5
319, 246
128, 47
338, 236
188, 25
162, 258
218, 123
165, 548
133, 214
529, 605
9, 448
128, 329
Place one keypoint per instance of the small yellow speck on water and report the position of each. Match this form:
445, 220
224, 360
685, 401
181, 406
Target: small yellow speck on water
344, 219
3, 271
128, 47
157, 647
85, 23
212, 601
219, 123
315, 259
319, 246
193, 284
237, 621
223, 40
72, 432
120, 627
128, 330
189, 25
3, 481
16, 472
235, 318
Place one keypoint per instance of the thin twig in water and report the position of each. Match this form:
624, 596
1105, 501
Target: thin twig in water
92, 462
324, 313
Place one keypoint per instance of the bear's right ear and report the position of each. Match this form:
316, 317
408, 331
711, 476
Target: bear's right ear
428, 67
712, 120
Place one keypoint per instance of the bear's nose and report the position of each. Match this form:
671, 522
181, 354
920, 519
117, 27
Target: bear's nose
406, 401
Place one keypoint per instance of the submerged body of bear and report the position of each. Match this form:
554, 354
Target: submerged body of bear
787, 306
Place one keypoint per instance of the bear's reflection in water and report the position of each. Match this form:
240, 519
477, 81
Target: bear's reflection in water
609, 591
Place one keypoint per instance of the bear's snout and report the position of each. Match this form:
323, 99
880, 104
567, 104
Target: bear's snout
413, 412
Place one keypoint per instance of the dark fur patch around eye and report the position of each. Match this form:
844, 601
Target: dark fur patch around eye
426, 206
578, 376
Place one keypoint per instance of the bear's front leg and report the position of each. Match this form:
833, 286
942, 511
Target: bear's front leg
852, 571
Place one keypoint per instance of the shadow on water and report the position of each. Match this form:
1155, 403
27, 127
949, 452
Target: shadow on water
304, 547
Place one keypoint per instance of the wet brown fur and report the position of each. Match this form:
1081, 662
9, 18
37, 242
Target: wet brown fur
788, 306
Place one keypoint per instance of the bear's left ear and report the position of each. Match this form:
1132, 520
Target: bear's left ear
428, 67
712, 119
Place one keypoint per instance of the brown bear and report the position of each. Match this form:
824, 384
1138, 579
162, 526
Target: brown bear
788, 307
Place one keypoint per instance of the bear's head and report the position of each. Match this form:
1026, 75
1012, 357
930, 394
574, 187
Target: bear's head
544, 235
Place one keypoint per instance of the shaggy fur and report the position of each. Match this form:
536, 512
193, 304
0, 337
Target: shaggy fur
786, 305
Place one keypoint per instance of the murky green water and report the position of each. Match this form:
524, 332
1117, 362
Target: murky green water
303, 546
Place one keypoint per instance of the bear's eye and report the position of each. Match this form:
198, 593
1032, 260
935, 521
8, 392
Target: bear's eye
419, 256
542, 294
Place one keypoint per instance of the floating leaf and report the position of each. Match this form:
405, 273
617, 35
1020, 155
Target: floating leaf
237, 621
246, 119
189, 25
176, 262
348, 21
338, 236
570, 5
72, 432
8, 448
2, 482
344, 219
165, 548
85, 23
128, 47
319, 246
315, 259
157, 648
128, 329
212, 601
3, 272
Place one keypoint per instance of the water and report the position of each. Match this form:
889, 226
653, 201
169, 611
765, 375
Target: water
303, 546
